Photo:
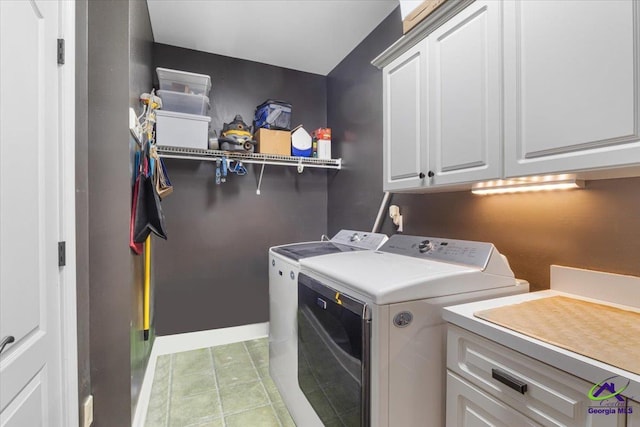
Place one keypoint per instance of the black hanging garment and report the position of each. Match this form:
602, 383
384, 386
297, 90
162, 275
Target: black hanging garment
148, 217
135, 247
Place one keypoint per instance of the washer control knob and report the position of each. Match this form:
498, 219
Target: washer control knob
425, 246
355, 237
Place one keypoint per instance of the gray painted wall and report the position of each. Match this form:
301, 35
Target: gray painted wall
533, 230
114, 57
212, 271
140, 81
110, 262
354, 110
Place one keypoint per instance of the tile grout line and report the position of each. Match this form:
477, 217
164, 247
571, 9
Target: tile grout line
245, 383
215, 379
244, 343
170, 386
171, 366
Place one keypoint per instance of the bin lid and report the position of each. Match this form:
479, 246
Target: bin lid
177, 115
185, 77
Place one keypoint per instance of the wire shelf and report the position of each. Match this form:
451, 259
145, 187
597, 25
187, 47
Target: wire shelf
261, 159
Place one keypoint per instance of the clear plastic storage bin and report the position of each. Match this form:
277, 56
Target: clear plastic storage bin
183, 81
184, 102
182, 130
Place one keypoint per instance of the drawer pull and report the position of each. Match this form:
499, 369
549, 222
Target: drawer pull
509, 381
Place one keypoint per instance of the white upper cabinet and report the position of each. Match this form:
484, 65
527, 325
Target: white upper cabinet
405, 127
500, 89
572, 85
442, 104
464, 96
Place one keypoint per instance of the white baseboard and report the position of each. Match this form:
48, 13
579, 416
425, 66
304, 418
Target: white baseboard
168, 344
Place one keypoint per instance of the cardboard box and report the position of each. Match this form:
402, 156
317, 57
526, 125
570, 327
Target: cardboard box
419, 13
274, 141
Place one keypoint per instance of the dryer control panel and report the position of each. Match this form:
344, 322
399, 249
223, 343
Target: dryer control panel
360, 239
474, 254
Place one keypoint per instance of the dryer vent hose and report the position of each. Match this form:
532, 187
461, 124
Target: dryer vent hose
381, 212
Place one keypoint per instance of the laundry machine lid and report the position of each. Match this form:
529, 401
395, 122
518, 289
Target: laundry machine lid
298, 251
386, 278
343, 241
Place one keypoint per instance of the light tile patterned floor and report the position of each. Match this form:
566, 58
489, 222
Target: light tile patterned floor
223, 386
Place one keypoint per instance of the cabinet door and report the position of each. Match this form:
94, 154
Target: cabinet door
464, 97
404, 115
633, 413
572, 85
468, 406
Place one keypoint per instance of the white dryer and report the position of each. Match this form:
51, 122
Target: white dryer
372, 341
284, 266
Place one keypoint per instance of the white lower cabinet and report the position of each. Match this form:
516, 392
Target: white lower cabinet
489, 372
633, 417
469, 406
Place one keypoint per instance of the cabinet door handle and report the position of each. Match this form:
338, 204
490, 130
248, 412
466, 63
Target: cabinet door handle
421, 175
509, 380
5, 341
430, 174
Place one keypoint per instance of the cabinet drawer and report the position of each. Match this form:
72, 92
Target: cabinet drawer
468, 406
545, 394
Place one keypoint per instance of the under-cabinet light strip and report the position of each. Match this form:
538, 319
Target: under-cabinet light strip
547, 183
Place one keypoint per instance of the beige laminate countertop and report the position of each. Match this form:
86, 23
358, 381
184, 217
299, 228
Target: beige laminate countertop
569, 361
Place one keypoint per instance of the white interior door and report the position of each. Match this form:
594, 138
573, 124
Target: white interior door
30, 368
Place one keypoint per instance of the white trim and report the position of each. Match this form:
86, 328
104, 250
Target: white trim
609, 287
68, 320
169, 344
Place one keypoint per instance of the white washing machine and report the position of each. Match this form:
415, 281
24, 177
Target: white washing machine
284, 266
372, 341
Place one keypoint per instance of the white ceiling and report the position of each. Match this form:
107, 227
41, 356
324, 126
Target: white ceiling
305, 35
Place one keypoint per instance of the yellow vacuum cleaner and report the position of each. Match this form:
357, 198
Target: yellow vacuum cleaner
237, 136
